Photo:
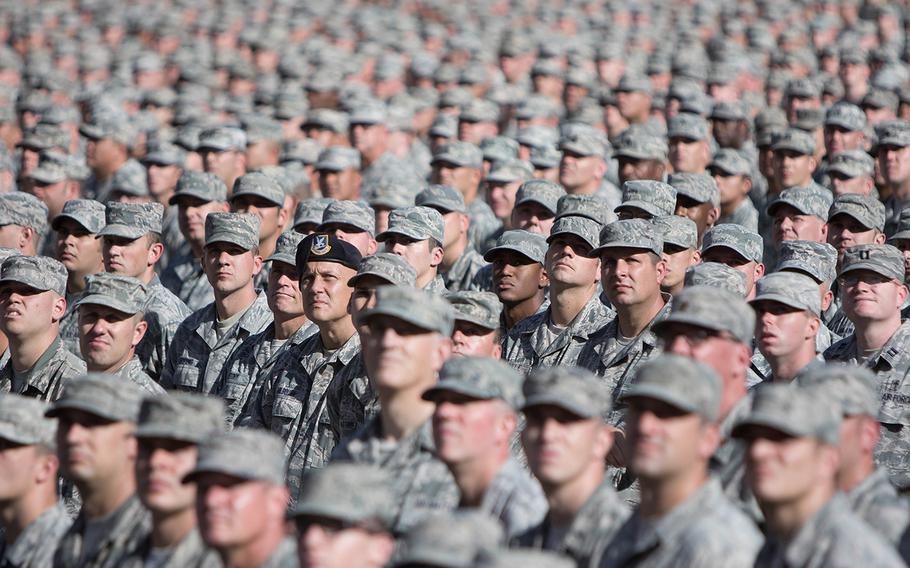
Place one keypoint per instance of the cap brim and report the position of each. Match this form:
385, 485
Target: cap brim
636, 155
167, 433
55, 224
8, 432
730, 247
900, 235
850, 214
117, 230
443, 386
648, 208
870, 267
410, 317
46, 177
597, 250
490, 254
256, 194
564, 232
780, 299
759, 420
40, 286
176, 197
282, 257
410, 233
559, 402
548, 206
83, 405
103, 300
352, 281
688, 319
325, 510
657, 393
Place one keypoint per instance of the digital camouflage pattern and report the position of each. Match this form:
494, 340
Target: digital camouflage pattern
630, 233
87, 212
132, 220
748, 244
717, 275
699, 187
355, 214
480, 308
39, 272
240, 229
678, 231
656, 198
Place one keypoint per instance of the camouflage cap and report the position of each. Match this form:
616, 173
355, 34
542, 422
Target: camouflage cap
584, 142
587, 229
543, 192
653, 197
305, 151
54, 167
851, 163
184, 416
444, 126
114, 128
39, 272
634, 82
5, 253
496, 148
846, 115
747, 244
418, 223
165, 154
443, 198
795, 140
879, 98
327, 119
802, 88
130, 180
23, 209
712, 308
44, 137
260, 128
699, 187
241, 229
630, 233
388, 193
508, 171
718, 275
728, 110
449, 540
355, 214
895, 133
868, 210
132, 220
538, 136
677, 230
806, 200
545, 157
479, 377
524, 557
286, 248
460, 154
687, 126
571, 388
479, 110
731, 162
110, 397
23, 421
789, 288
87, 212
416, 306
681, 382
244, 453
222, 139
793, 411
531, 245
818, 260
390, 267
852, 386
122, 293
260, 185
593, 207
885, 260
350, 492
480, 308
638, 143
310, 211
201, 185
337, 159
369, 112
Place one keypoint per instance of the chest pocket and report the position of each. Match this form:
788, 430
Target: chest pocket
286, 411
187, 373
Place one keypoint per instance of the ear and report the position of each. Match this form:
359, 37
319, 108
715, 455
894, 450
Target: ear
710, 440
759, 270
826, 299
661, 269
508, 425
496, 353
603, 441
464, 222
372, 247
283, 215
257, 264
380, 548
747, 185
879, 238
696, 257
601, 170
813, 161
58, 310
155, 252
869, 434
442, 352
436, 256
901, 294
139, 332
713, 216
46, 468
814, 325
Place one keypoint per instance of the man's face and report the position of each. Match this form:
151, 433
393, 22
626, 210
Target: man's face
101, 153
162, 179
903, 245
576, 171
472, 340
688, 155
844, 232
781, 468
54, 195
93, 449
325, 290
462, 178
19, 464
869, 296
516, 277
781, 330
230, 267
793, 168
533, 217
283, 290
27, 312
327, 543
501, 196
466, 429
161, 465
232, 512
702, 214
631, 169
633, 105
790, 224
456, 225
567, 261
272, 217
396, 353
362, 240
630, 276
732, 187
713, 348
665, 441
839, 139
419, 254
222, 164
842, 184
726, 132
341, 185
77, 248
107, 336
366, 137
894, 162
560, 446
677, 260
126, 257
191, 214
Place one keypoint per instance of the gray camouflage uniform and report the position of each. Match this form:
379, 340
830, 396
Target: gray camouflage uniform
515, 498
34, 547
461, 275
133, 372
164, 313
187, 280
45, 380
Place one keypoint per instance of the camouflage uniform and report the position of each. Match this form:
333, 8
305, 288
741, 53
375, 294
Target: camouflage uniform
190, 552
462, 273
894, 133
133, 372
259, 185
187, 281
34, 547
515, 498
732, 162
483, 221
875, 501
420, 224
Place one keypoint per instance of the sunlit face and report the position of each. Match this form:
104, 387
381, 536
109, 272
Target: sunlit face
868, 296
781, 330
26, 312
283, 290
94, 449
325, 290
791, 224
160, 468
533, 217
781, 468
230, 267
665, 441
398, 354
127, 257
77, 248
107, 336
466, 429
232, 512
472, 340
631, 276
567, 261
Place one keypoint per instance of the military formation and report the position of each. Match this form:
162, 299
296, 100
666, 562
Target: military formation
453, 285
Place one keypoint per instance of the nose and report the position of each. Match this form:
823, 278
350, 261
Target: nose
679, 345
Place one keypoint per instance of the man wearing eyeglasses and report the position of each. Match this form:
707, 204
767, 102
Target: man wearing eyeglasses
871, 281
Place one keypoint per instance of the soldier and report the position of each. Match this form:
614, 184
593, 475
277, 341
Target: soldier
732, 173
23, 222
690, 149
871, 278
405, 340
56, 180
477, 324
380, 269
819, 261
738, 248
80, 253
871, 495
208, 337
583, 167
680, 250
460, 260
131, 246
369, 133
673, 408
479, 120
109, 140
646, 199
197, 195
845, 126
351, 221
718, 275
260, 195
338, 173
96, 417
641, 154
450, 540
223, 151
344, 516
794, 160
851, 171
308, 214
536, 205
33, 519
32, 303
517, 275
168, 434
792, 461
892, 151
241, 499
502, 184
698, 198
416, 234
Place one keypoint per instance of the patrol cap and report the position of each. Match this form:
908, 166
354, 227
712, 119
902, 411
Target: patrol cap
885, 260
895, 133
699, 187
449, 540
183, 416
806, 200
587, 229
880, 98
44, 137
903, 227
244, 453
444, 126
718, 275
390, 267
443, 198
802, 89
639, 144
355, 214
201, 185
415, 306
524, 557
326, 119
38, 272
459, 154
479, 377
480, 308
681, 382
793, 411
110, 397
633, 82
712, 308
353, 493
593, 207
795, 140
388, 193
497, 148
479, 110
130, 180
508, 171
731, 162
337, 159
851, 163
852, 386
543, 192
132, 220
324, 247
742, 241
114, 128
165, 154
23, 421
531, 245
584, 142
867, 210
791, 289
54, 167
687, 126
241, 229
728, 110
630, 233
653, 197
818, 260
545, 157
222, 139
260, 185
23, 209
369, 112
677, 230
418, 223
286, 248
122, 293
87, 212
537, 136
846, 115
571, 388
305, 151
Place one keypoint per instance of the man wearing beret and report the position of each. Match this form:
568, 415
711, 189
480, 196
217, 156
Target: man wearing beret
208, 337
416, 234
32, 303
